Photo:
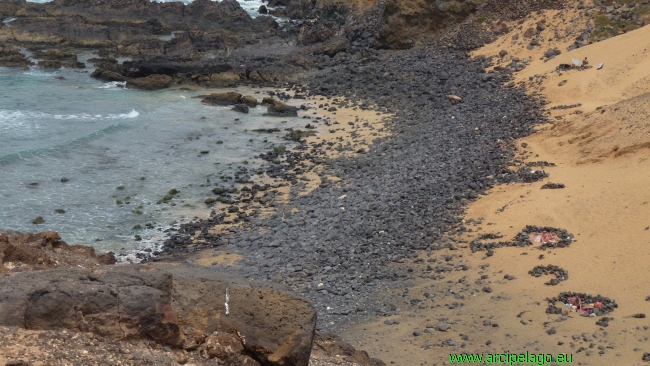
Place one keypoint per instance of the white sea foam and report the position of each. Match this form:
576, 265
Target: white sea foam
132, 114
113, 85
8, 20
7, 115
10, 116
37, 72
152, 239
14, 120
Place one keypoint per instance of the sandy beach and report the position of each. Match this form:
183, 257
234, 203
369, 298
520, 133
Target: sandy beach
600, 151
413, 162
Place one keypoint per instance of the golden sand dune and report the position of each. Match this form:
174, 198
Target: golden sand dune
625, 73
602, 153
601, 150
612, 131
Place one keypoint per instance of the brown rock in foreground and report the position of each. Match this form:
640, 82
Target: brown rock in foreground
114, 301
330, 348
182, 306
25, 252
277, 325
56, 294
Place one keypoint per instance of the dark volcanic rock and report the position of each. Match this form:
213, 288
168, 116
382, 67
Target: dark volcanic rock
553, 186
243, 108
150, 82
142, 68
258, 311
249, 101
113, 301
228, 98
267, 101
424, 173
135, 301
49, 64
401, 20
107, 75
10, 57
560, 274
132, 25
279, 109
328, 345
46, 250
603, 305
335, 46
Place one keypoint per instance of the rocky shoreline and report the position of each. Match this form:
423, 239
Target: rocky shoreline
451, 123
356, 249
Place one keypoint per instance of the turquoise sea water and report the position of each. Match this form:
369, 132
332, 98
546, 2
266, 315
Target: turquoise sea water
102, 137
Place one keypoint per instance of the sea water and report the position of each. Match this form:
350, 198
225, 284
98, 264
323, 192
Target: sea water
115, 144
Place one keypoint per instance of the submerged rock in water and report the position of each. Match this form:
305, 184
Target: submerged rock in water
49, 64
249, 100
10, 57
279, 109
151, 82
107, 75
228, 98
267, 101
55, 59
243, 108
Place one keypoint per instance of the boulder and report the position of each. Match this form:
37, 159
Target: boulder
278, 325
107, 75
279, 109
263, 10
403, 22
54, 57
10, 57
329, 348
113, 301
243, 108
249, 100
161, 65
255, 77
336, 45
235, 320
49, 64
223, 79
228, 98
310, 34
109, 64
45, 250
151, 82
267, 101
55, 54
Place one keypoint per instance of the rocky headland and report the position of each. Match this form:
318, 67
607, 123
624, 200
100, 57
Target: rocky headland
376, 222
